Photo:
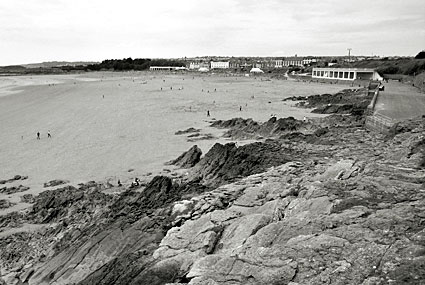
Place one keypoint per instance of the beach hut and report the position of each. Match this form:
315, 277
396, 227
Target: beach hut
256, 70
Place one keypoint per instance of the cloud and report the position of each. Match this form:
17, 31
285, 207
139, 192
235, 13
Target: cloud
72, 30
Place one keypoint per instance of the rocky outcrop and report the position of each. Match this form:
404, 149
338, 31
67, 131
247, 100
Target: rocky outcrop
27, 198
189, 158
289, 128
348, 101
187, 131
329, 224
337, 220
55, 182
4, 204
225, 163
195, 135
200, 137
67, 202
13, 189
13, 179
342, 207
247, 128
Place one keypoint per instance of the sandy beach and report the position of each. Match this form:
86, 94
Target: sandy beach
105, 124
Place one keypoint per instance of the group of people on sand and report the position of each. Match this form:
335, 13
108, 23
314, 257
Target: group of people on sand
49, 136
135, 183
240, 109
171, 88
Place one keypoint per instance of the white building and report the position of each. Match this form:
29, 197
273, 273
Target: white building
161, 68
194, 65
198, 64
219, 64
346, 73
152, 68
308, 61
278, 63
293, 61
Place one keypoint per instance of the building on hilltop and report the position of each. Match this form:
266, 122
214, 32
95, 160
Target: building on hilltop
278, 63
219, 64
294, 61
194, 65
346, 73
234, 64
309, 61
198, 64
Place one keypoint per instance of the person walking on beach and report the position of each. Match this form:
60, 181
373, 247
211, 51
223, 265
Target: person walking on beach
208, 113
38, 135
48, 135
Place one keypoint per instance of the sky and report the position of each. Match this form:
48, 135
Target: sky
93, 30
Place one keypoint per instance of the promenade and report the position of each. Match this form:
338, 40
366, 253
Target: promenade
400, 101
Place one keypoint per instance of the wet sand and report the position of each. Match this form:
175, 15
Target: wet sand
104, 124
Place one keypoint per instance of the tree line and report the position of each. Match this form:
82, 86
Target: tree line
133, 64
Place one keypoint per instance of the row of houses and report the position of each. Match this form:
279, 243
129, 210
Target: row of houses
226, 65
294, 61
246, 64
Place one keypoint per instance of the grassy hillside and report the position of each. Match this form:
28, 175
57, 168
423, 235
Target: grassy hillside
419, 81
406, 66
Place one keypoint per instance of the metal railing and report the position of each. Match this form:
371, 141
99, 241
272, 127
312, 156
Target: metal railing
385, 120
380, 123
376, 121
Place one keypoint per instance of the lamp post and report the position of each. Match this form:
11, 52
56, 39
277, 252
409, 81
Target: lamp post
349, 55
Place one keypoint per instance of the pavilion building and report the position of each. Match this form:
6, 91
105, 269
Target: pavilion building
346, 73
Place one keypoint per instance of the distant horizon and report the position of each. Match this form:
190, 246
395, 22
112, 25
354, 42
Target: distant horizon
229, 56
224, 56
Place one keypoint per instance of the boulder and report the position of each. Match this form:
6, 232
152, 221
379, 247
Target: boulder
187, 131
5, 204
55, 182
13, 189
189, 158
226, 163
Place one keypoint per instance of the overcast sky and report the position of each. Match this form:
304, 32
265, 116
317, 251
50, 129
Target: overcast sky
72, 30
